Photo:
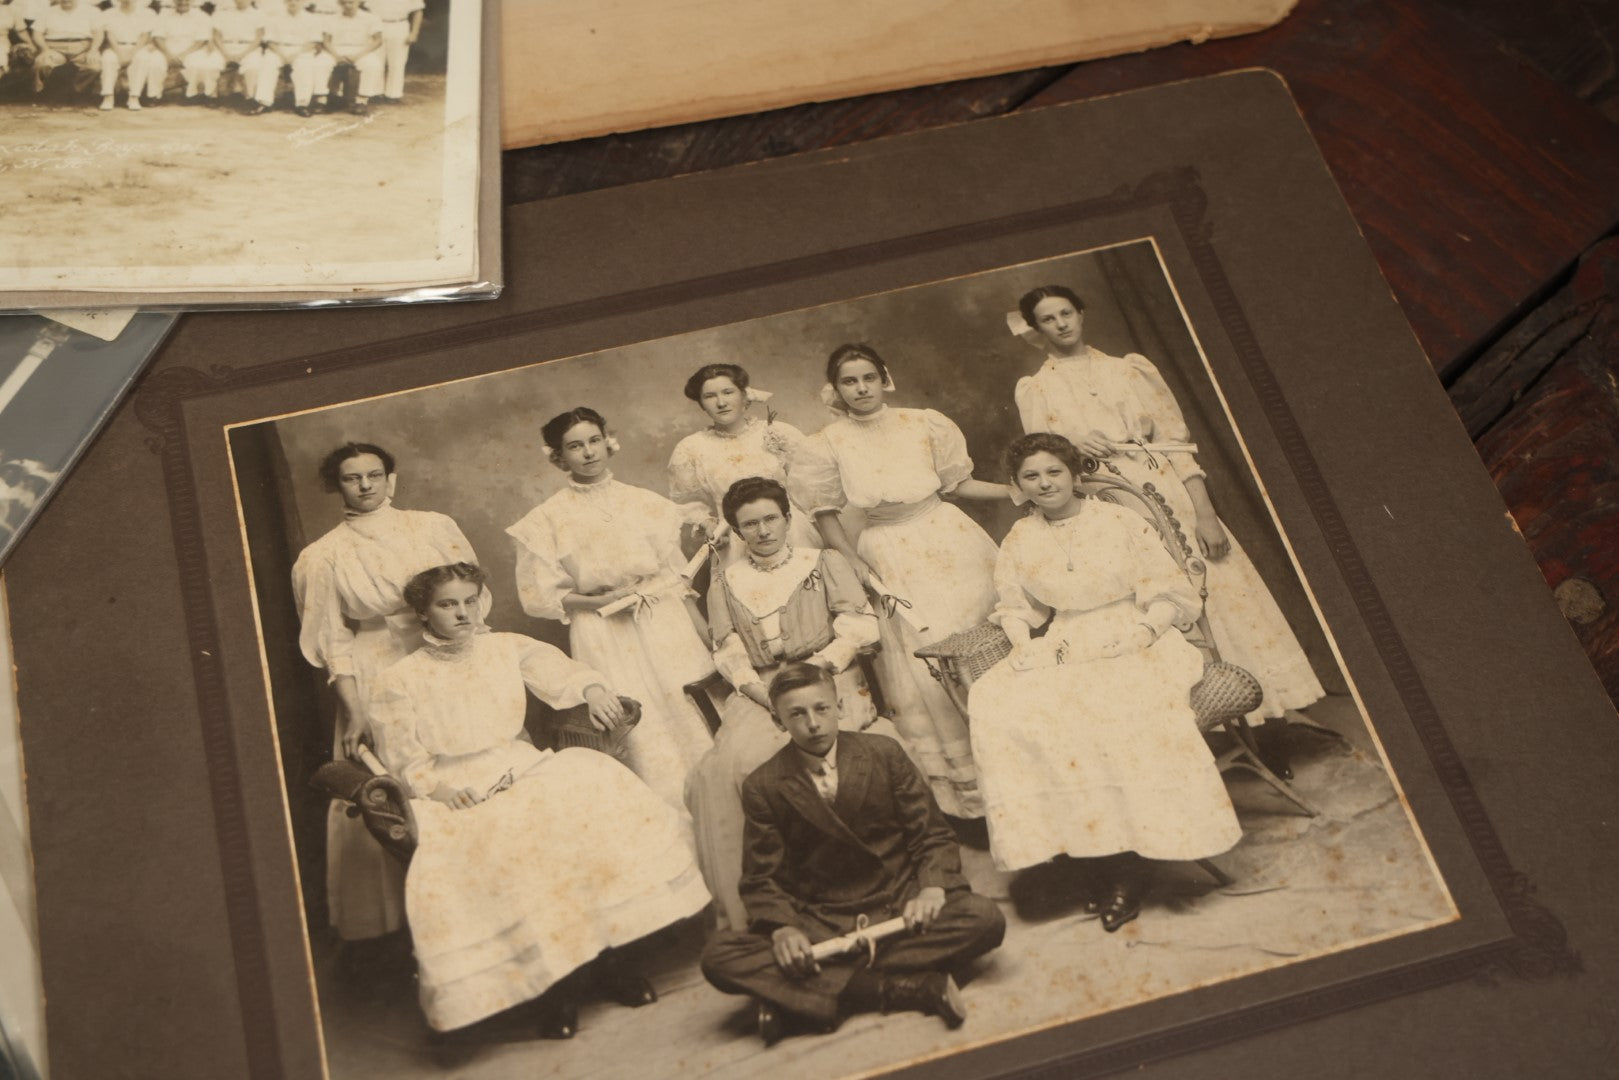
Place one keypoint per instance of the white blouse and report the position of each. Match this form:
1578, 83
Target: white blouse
1098, 557
451, 712
1123, 397
706, 463
588, 538
358, 572
893, 457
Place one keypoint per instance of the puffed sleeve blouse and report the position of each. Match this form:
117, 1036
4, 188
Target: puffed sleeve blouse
439, 706
1101, 556
1123, 397
897, 456
591, 537
358, 571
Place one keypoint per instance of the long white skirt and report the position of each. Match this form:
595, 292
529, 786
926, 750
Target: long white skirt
650, 655
1098, 757
747, 738
508, 896
1245, 622
942, 564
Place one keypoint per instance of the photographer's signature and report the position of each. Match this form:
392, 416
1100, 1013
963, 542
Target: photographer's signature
324, 129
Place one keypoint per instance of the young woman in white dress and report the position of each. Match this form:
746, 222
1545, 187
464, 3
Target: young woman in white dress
893, 465
1085, 738
529, 864
599, 541
1112, 407
354, 622
736, 444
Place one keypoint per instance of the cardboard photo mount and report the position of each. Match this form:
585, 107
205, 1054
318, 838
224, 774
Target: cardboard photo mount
171, 924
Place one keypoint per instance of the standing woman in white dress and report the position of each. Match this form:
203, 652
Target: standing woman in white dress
1085, 738
935, 562
1111, 407
598, 541
735, 445
354, 622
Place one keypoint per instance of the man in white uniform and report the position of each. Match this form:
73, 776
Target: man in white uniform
13, 36
401, 26
239, 41
126, 46
291, 41
354, 50
184, 40
65, 36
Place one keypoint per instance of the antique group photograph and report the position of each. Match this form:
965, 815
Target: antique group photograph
818, 694
190, 146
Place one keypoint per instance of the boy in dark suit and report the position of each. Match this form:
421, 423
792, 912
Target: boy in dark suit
840, 825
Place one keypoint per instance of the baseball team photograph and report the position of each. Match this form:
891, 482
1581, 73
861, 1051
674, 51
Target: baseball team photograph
197, 145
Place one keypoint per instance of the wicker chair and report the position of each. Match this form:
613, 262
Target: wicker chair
1220, 700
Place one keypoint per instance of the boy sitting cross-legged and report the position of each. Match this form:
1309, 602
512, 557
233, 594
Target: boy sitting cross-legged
840, 825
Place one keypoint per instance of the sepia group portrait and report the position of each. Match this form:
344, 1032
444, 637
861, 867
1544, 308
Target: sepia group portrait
865, 682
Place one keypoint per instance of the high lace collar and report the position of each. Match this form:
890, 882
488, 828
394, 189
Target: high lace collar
593, 489
746, 426
351, 514
879, 413
447, 650
774, 562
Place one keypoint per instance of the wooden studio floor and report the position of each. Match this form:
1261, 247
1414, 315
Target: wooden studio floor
1302, 887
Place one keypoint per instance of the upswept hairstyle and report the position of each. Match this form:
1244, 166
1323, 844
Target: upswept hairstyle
752, 489
558, 425
1030, 299
1043, 442
845, 353
419, 590
735, 372
331, 466
796, 676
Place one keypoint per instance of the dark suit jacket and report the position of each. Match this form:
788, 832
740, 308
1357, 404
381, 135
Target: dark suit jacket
817, 866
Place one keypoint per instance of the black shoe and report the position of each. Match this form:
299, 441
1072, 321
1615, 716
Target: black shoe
620, 983
1122, 907
256, 109
557, 1016
769, 1019
933, 993
360, 108
303, 110
1270, 741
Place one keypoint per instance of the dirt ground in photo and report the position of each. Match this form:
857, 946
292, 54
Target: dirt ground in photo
181, 185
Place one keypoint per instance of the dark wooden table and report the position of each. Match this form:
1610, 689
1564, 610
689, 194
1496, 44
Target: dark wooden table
1476, 141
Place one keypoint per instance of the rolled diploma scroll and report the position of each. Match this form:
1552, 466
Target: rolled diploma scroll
882, 591
369, 760
694, 564
861, 937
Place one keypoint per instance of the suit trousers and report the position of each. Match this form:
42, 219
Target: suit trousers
741, 963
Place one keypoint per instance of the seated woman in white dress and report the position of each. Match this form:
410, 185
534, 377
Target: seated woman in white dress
893, 465
1085, 738
776, 605
596, 542
736, 444
530, 864
1116, 408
